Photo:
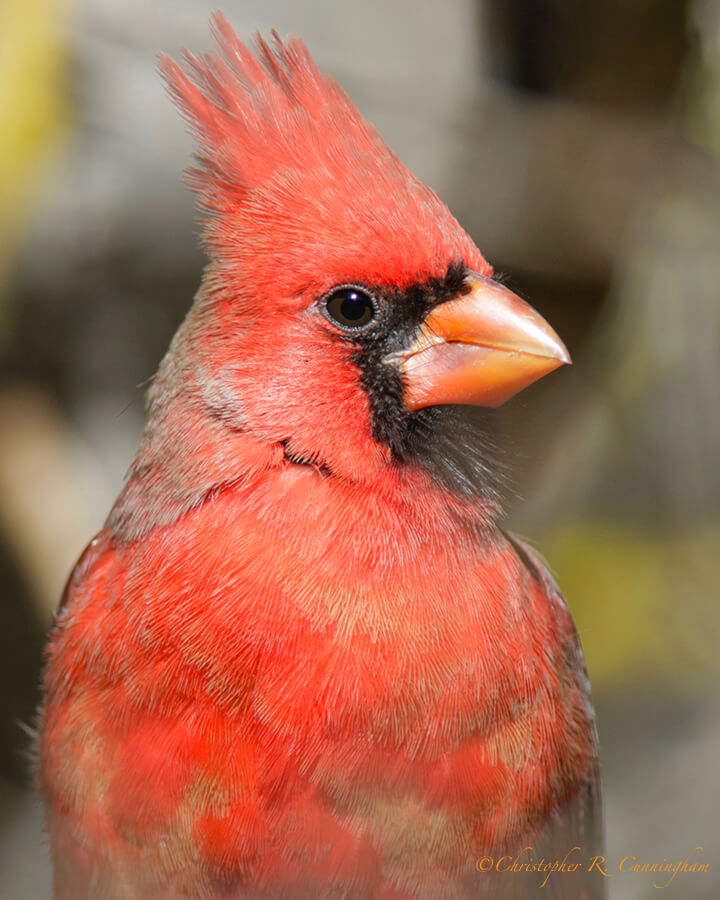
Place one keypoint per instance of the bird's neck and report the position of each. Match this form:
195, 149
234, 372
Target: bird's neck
185, 457
193, 447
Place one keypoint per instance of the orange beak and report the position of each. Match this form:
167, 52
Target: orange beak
479, 349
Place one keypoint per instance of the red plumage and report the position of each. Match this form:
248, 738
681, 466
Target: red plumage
295, 661
277, 137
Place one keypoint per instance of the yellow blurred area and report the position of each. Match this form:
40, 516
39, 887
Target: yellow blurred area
31, 107
639, 599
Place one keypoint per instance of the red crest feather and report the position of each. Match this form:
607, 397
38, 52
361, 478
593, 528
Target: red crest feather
288, 167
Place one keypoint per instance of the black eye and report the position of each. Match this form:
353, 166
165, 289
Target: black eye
351, 307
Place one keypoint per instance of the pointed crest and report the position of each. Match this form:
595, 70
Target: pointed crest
288, 167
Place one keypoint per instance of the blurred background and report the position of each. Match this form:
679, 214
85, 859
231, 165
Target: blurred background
579, 144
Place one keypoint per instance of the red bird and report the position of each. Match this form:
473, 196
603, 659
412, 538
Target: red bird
302, 659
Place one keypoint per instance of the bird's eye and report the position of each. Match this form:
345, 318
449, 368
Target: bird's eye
350, 307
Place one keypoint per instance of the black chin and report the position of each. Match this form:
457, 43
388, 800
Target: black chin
457, 446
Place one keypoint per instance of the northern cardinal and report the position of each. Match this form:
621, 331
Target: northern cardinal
302, 659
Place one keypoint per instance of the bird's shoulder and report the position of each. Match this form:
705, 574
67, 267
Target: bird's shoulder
98, 549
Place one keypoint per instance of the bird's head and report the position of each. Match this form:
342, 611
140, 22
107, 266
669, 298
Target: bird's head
343, 306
